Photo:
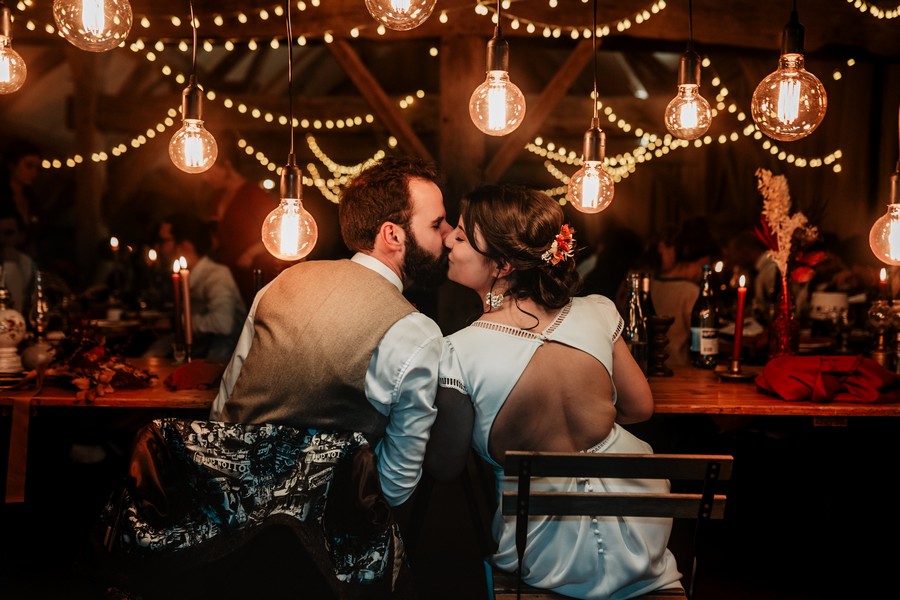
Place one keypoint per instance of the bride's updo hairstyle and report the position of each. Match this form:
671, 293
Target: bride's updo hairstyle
519, 225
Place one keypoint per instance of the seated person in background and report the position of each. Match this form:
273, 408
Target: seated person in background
675, 290
217, 310
546, 372
18, 267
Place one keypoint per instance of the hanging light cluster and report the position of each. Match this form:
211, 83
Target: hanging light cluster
688, 115
497, 106
790, 103
93, 25
12, 67
884, 237
400, 15
289, 232
591, 189
193, 149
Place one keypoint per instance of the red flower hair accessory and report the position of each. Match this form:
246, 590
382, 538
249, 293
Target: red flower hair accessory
563, 246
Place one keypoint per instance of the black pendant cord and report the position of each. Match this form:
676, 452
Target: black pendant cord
194, 48
596, 118
290, 46
690, 25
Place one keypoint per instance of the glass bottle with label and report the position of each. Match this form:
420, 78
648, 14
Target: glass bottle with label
635, 331
704, 325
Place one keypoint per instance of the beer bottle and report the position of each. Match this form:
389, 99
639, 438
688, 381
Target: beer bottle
704, 325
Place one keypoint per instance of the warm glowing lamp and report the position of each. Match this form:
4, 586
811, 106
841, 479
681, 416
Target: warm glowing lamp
497, 106
591, 189
790, 103
93, 25
401, 15
290, 232
688, 115
12, 67
884, 237
193, 148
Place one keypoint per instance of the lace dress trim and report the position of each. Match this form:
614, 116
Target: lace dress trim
524, 333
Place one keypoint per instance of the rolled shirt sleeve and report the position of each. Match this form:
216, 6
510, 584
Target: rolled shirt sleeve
401, 383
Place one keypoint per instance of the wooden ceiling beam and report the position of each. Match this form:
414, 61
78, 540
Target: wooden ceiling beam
371, 90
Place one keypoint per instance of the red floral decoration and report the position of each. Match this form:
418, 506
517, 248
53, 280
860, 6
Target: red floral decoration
563, 246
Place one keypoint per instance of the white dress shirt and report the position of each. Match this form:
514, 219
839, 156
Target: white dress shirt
400, 383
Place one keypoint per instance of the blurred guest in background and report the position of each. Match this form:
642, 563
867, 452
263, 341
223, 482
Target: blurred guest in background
239, 208
18, 267
21, 165
675, 289
217, 309
618, 251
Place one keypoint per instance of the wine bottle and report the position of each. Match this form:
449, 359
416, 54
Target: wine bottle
647, 308
704, 325
635, 331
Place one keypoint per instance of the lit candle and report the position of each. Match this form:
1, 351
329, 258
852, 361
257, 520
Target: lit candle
186, 302
114, 246
739, 317
176, 285
883, 293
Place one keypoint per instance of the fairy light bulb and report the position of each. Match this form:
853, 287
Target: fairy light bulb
93, 25
790, 103
591, 189
193, 149
289, 232
688, 115
497, 106
400, 15
12, 67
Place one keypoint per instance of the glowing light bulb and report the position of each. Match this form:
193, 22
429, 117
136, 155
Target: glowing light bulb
884, 237
400, 15
289, 232
688, 115
12, 67
497, 106
193, 149
790, 103
93, 25
591, 189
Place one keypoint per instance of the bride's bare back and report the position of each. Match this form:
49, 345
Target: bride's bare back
561, 403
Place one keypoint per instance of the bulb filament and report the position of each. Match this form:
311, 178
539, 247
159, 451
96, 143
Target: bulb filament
92, 16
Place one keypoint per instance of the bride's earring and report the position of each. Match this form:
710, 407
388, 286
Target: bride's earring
493, 300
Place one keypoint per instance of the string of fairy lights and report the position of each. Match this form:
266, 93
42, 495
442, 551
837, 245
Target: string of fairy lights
649, 145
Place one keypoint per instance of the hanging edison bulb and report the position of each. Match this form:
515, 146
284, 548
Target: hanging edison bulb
193, 149
290, 232
93, 25
688, 115
400, 15
497, 106
884, 237
12, 67
591, 188
790, 103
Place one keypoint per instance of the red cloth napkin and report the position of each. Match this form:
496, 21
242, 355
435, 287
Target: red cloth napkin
197, 374
829, 379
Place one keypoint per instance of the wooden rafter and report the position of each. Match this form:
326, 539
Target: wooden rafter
372, 91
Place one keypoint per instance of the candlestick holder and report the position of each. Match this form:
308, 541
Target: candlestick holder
734, 373
658, 328
880, 316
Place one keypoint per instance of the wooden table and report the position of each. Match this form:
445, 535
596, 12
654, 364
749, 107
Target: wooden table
26, 401
700, 392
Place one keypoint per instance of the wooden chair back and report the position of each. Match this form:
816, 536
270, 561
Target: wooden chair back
705, 471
